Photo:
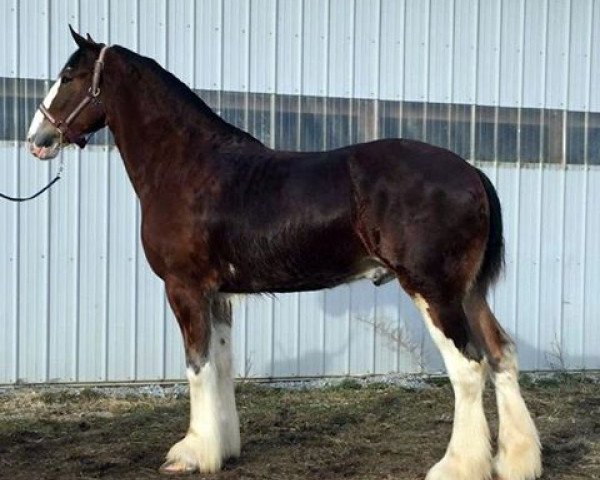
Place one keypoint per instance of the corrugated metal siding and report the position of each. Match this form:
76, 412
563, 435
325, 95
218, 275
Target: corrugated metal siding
78, 302
512, 53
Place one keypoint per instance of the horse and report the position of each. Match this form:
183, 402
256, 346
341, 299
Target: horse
223, 214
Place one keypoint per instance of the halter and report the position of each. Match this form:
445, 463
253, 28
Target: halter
63, 126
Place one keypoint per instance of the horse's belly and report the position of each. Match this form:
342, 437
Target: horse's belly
279, 281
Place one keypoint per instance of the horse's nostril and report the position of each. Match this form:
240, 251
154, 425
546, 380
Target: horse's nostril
45, 139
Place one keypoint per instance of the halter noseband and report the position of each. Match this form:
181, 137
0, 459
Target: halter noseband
63, 126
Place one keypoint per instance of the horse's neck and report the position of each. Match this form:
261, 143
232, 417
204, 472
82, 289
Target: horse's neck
156, 137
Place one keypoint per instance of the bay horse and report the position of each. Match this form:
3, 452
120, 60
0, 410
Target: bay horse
223, 214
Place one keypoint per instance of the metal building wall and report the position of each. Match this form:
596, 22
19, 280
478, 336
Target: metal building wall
512, 83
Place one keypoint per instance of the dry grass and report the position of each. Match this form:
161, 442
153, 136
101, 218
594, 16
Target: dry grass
349, 432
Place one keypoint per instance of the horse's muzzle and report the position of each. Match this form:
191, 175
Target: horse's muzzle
44, 153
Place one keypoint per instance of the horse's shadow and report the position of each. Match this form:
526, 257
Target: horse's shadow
360, 329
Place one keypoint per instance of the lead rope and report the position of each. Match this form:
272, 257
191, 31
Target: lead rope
61, 167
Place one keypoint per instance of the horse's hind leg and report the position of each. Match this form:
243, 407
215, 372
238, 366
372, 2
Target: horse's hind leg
213, 434
519, 456
468, 456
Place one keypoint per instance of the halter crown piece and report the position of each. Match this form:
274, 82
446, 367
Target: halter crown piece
63, 126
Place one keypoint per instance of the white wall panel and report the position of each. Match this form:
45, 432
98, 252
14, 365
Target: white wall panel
591, 268
580, 47
441, 52
314, 48
534, 52
551, 281
341, 49
488, 53
511, 52
263, 21
123, 286
505, 53
63, 275
416, 50
289, 47
464, 55
209, 31
557, 55
594, 76
180, 41
367, 47
391, 50
94, 301
236, 50
9, 264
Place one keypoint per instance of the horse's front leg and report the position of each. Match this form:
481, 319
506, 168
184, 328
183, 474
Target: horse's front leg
213, 435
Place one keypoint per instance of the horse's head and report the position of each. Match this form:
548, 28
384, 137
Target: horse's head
72, 109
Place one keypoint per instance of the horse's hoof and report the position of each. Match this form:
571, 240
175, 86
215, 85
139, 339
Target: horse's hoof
450, 468
176, 468
193, 454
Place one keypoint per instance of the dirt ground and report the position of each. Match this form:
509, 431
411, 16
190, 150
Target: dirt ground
348, 431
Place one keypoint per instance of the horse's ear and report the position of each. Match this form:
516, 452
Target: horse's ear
79, 40
89, 38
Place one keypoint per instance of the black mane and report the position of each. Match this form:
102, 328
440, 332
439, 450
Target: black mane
181, 91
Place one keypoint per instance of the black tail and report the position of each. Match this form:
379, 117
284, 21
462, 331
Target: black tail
493, 259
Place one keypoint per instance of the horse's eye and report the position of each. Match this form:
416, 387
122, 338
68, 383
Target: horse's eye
67, 75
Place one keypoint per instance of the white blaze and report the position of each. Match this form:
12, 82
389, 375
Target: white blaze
38, 118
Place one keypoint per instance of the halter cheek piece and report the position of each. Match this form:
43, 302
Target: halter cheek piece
63, 126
